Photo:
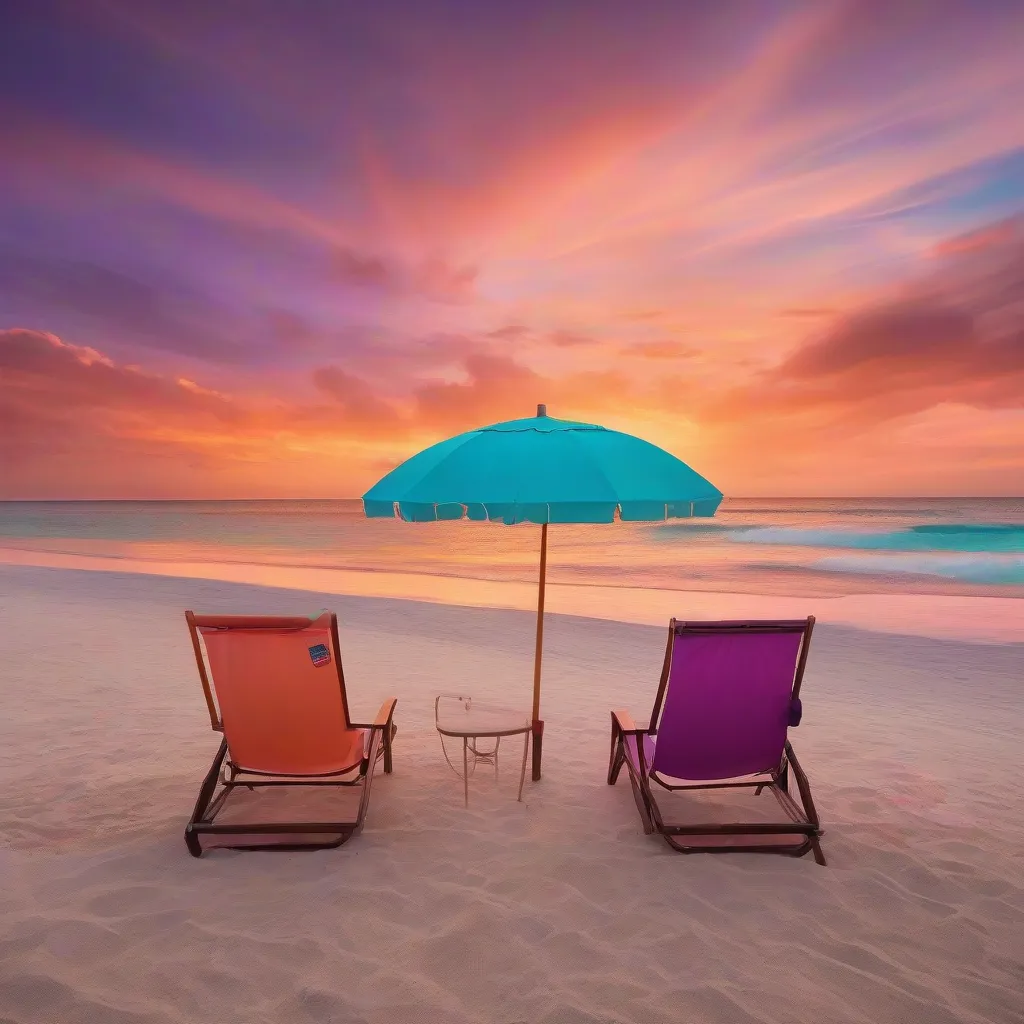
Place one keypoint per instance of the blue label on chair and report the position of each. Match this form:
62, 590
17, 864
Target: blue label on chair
320, 654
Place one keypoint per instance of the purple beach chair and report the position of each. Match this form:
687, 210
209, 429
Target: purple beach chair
729, 693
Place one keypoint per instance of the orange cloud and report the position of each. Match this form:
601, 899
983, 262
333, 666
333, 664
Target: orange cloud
74, 379
497, 388
953, 338
361, 407
807, 312
568, 339
75, 421
666, 349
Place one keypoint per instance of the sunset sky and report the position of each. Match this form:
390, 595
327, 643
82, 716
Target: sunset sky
269, 249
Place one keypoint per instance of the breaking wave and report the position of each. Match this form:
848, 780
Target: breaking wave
934, 537
992, 570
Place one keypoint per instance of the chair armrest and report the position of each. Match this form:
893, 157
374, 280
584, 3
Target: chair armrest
624, 721
387, 709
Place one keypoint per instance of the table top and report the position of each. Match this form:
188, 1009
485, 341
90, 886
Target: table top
466, 716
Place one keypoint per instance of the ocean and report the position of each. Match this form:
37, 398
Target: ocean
797, 547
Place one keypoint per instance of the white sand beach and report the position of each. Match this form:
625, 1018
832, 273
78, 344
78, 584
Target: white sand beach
557, 909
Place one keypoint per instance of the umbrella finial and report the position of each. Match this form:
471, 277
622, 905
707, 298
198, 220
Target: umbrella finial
542, 410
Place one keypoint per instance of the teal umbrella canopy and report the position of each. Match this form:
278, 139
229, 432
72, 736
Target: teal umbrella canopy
542, 470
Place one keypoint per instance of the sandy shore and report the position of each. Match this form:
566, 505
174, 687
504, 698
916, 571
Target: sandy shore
555, 910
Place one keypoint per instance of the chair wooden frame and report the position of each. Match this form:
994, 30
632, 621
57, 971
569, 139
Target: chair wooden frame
804, 825
228, 776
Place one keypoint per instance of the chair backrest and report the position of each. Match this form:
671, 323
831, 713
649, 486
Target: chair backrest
728, 694
276, 689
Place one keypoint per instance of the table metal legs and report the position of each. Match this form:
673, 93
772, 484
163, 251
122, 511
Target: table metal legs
522, 773
469, 747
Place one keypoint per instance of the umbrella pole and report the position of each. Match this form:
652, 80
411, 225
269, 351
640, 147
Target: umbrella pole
538, 725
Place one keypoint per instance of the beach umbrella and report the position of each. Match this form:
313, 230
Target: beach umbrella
542, 470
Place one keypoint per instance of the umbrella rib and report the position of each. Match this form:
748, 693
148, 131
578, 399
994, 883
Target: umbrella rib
472, 436
596, 465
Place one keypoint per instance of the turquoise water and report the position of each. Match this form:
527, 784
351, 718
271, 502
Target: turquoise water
783, 546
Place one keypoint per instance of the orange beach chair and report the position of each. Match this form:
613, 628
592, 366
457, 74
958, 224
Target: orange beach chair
275, 689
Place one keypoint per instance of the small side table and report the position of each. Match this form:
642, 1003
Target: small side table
471, 720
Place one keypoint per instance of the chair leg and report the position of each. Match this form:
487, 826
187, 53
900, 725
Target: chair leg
389, 735
206, 792
643, 805
617, 756
192, 842
804, 788
802, 785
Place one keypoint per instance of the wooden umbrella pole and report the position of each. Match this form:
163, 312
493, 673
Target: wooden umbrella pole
538, 725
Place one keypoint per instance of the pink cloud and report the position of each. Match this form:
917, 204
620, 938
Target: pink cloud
991, 236
432, 277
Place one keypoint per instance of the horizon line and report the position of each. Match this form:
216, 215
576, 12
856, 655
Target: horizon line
736, 497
